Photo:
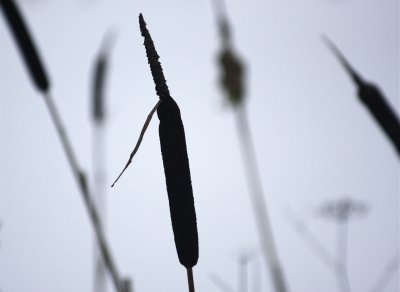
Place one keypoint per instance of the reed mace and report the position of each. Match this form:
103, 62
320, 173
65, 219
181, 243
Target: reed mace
232, 82
176, 163
40, 79
373, 99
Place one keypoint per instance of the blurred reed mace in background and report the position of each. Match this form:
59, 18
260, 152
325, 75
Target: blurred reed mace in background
232, 81
98, 114
373, 99
41, 81
176, 163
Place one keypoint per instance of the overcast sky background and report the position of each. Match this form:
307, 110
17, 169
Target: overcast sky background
313, 139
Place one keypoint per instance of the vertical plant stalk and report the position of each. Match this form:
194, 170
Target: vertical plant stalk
99, 192
99, 198
41, 81
258, 201
343, 276
98, 150
243, 273
233, 83
257, 277
190, 279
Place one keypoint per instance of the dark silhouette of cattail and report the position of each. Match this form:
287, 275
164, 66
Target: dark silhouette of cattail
176, 163
373, 99
25, 44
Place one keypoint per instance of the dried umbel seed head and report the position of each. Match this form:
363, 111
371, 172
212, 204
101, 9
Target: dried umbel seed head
25, 44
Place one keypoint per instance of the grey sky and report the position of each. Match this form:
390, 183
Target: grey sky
314, 141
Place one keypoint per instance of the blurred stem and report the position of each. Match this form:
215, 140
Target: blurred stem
243, 274
387, 275
257, 277
343, 276
190, 279
99, 198
221, 284
313, 243
82, 183
258, 201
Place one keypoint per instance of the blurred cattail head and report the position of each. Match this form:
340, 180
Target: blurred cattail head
231, 67
99, 77
25, 44
232, 77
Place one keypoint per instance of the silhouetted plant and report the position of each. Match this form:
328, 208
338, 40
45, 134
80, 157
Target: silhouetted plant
176, 163
41, 81
373, 99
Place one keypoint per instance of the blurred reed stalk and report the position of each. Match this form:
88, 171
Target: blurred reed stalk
373, 99
244, 260
221, 284
233, 84
315, 245
387, 275
38, 74
243, 273
98, 150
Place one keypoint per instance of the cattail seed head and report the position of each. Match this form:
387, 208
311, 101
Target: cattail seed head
25, 44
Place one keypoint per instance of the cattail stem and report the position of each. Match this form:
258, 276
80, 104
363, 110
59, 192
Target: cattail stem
82, 183
190, 279
99, 199
258, 201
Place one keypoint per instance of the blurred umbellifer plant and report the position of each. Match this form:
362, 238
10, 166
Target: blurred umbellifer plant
341, 211
232, 81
